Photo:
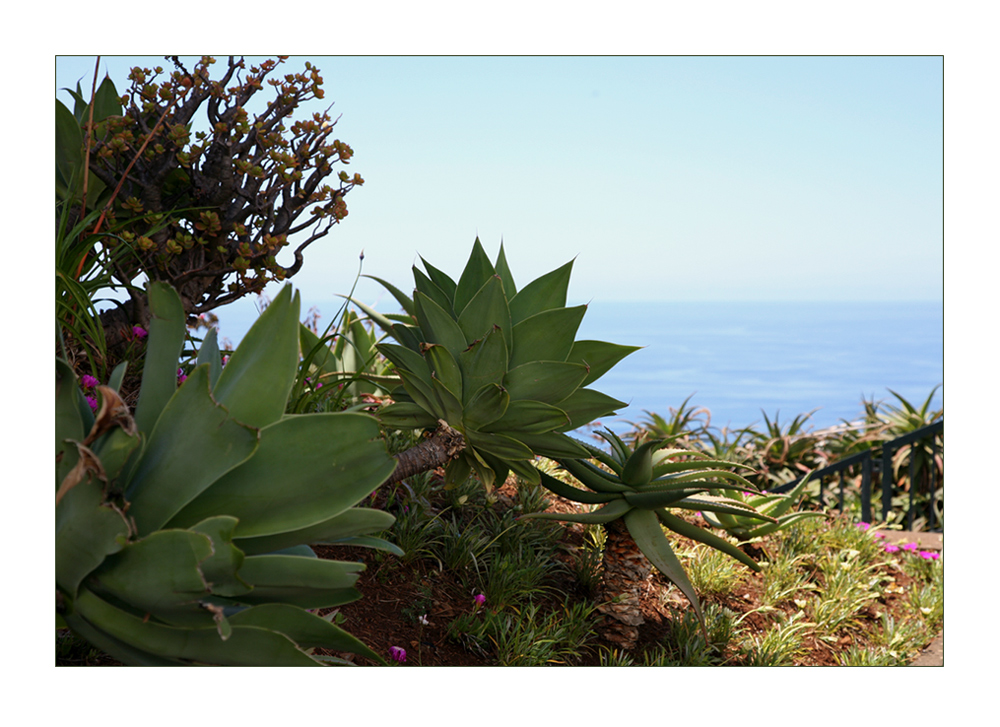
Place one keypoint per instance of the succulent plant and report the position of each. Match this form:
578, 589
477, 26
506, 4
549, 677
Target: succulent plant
776, 505
633, 493
182, 532
497, 365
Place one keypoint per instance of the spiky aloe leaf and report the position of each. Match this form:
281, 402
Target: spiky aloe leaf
638, 469
503, 270
405, 302
701, 535
426, 286
604, 514
442, 280
575, 494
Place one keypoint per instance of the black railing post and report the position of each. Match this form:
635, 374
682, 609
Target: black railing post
887, 482
866, 488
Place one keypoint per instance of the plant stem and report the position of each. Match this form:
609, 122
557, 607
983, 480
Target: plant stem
436, 451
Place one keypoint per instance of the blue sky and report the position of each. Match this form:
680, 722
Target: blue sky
667, 178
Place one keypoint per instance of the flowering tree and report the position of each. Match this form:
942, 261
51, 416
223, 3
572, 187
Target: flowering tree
208, 211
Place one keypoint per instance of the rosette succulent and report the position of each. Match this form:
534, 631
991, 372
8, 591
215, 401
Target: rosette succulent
634, 490
495, 364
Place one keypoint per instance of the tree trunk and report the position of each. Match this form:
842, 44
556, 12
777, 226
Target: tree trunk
626, 572
436, 451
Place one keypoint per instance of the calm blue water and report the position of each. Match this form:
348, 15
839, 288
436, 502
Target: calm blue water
739, 358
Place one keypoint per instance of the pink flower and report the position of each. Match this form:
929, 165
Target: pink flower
863, 526
890, 548
88, 381
928, 555
878, 535
480, 599
910, 546
397, 653
139, 332
93, 402
181, 376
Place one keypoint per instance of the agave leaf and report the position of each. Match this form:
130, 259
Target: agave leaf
353, 522
423, 394
406, 359
220, 569
503, 270
194, 443
604, 514
449, 402
700, 475
638, 469
87, 532
696, 461
569, 492
124, 652
498, 445
598, 356
159, 575
548, 291
484, 362
383, 322
442, 281
546, 381
488, 308
438, 326
488, 405
552, 444
307, 630
307, 469
69, 147
166, 339
247, 645
457, 471
69, 422
478, 270
533, 417
645, 529
585, 405
710, 503
407, 336
783, 522
405, 302
591, 475
405, 415
658, 499
426, 286
117, 376
369, 541
700, 535
107, 101
546, 336
258, 379
444, 367
303, 582
209, 353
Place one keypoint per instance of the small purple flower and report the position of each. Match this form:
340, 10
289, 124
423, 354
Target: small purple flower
910, 546
181, 376
863, 526
397, 653
480, 599
890, 548
139, 332
879, 535
928, 555
93, 402
88, 381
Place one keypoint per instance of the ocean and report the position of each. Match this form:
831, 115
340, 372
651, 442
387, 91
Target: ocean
741, 359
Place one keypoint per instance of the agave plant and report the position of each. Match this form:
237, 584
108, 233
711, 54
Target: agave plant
776, 505
182, 532
495, 370
785, 453
633, 493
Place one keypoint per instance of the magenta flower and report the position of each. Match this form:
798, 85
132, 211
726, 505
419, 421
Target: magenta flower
910, 546
928, 555
397, 653
88, 381
93, 402
181, 376
879, 535
890, 548
863, 526
139, 332
480, 599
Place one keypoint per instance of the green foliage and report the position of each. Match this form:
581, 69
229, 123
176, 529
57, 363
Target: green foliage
499, 365
639, 492
745, 528
182, 534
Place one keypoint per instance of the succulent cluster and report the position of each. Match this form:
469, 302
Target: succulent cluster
498, 365
182, 533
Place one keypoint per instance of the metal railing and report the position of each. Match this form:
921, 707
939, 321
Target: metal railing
884, 466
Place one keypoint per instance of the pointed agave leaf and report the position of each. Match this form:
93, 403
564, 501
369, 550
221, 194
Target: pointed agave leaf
407, 336
448, 401
484, 362
405, 415
166, 339
585, 405
125, 653
193, 444
658, 499
503, 270
547, 381
486, 406
710, 503
638, 468
423, 394
696, 461
548, 291
354, 522
405, 302
531, 417
601, 516
69, 147
553, 445
307, 469
478, 270
700, 535
299, 581
210, 354
546, 336
246, 646
87, 532
221, 568
444, 367
426, 286
487, 309
159, 575
405, 359
307, 630
457, 471
599, 356
645, 529
438, 326
256, 382
575, 494
442, 281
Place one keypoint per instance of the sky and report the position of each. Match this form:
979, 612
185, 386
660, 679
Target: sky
666, 178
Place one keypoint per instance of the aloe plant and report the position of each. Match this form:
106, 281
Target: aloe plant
776, 505
182, 532
495, 371
634, 493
